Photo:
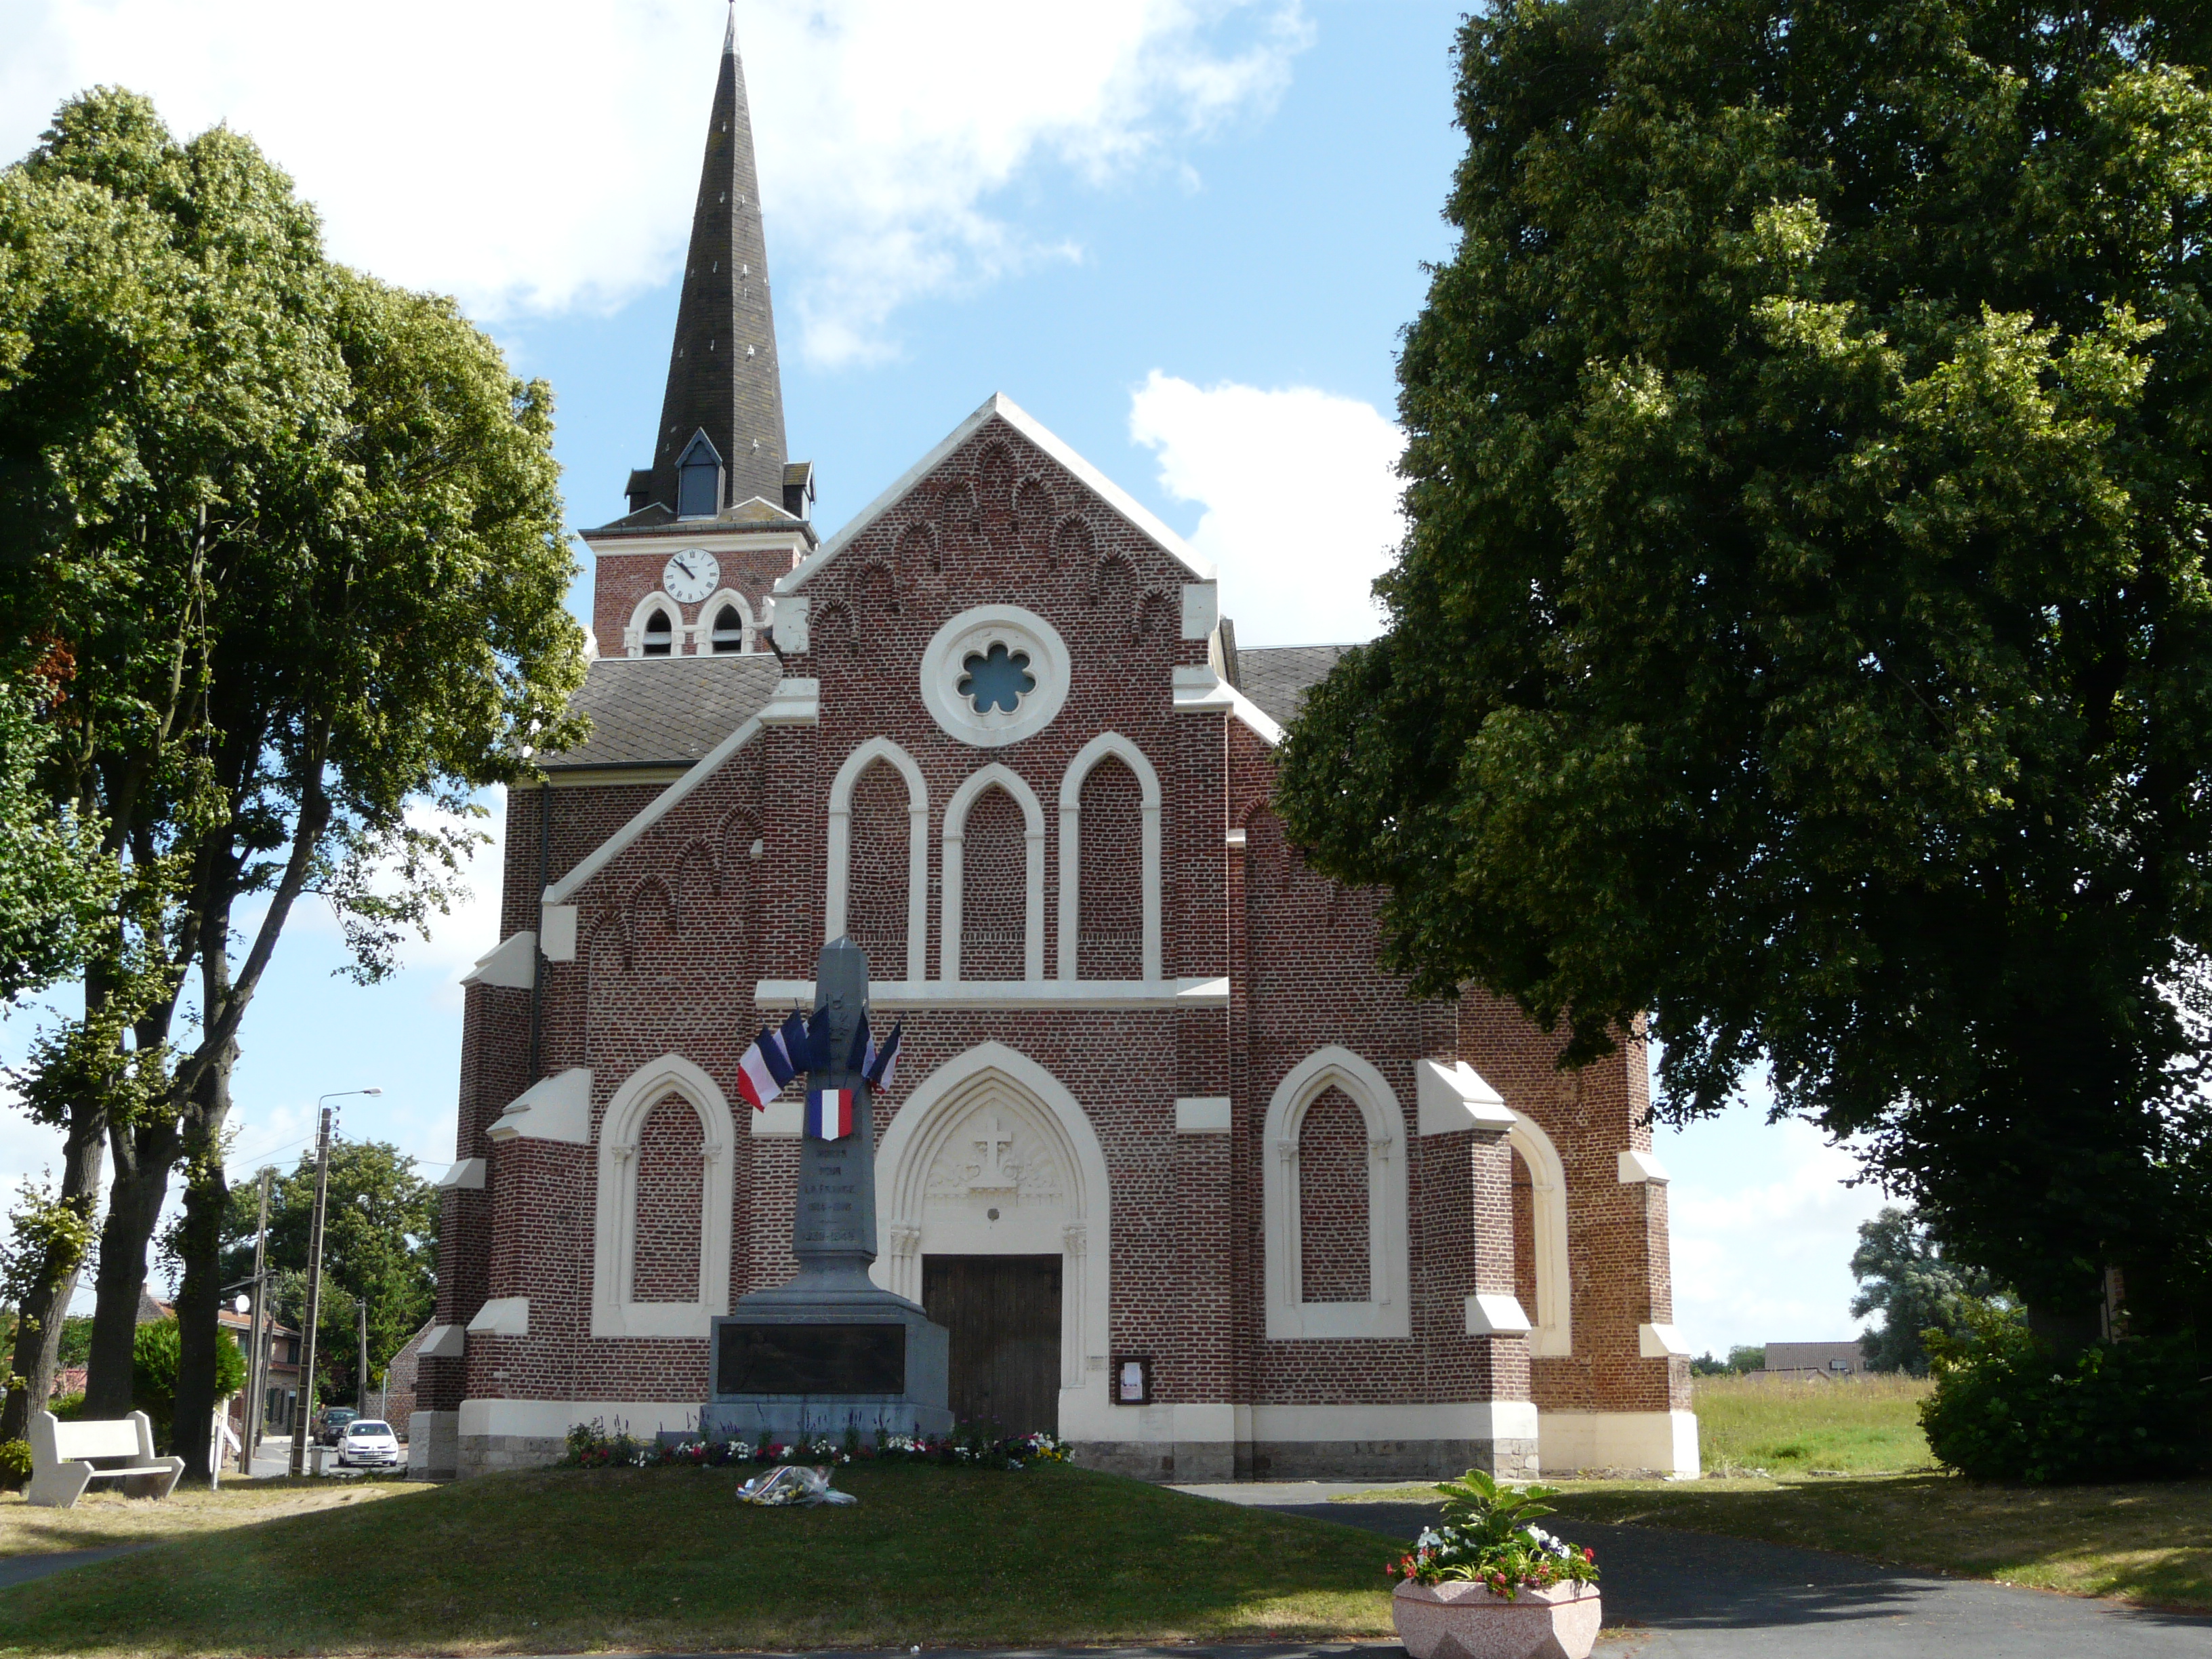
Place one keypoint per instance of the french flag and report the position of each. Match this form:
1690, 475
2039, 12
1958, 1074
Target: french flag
830, 1114
764, 1070
884, 1061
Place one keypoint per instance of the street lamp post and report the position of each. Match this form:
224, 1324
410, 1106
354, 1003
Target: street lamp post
315, 1279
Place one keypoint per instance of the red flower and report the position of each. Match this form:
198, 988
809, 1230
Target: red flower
1587, 1555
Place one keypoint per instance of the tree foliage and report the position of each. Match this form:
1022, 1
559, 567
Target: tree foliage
155, 1355
1802, 633
1905, 1275
379, 1242
292, 541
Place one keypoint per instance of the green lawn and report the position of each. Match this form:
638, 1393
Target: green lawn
563, 1560
1868, 1427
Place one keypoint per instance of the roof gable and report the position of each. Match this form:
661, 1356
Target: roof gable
1002, 408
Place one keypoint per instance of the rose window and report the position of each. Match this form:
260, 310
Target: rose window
996, 678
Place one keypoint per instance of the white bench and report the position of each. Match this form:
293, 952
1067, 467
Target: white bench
63, 1459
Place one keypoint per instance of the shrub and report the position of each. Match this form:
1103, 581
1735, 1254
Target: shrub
15, 1464
1488, 1534
2006, 1406
154, 1359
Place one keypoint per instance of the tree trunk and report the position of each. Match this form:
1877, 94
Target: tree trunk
39, 1333
199, 1297
144, 1157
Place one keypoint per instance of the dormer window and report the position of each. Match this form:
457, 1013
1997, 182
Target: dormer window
729, 633
698, 480
659, 636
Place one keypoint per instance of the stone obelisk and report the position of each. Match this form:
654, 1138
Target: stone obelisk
830, 1351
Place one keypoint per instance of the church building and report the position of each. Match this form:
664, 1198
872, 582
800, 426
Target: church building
1192, 1180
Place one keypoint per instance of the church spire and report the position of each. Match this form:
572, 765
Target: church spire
723, 379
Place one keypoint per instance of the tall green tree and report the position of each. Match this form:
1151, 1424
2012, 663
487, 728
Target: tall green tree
1905, 1275
379, 1245
300, 536
1802, 633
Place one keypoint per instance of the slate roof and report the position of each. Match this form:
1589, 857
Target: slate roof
664, 711
1278, 677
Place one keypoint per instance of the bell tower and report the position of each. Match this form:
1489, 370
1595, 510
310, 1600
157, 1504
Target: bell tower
722, 493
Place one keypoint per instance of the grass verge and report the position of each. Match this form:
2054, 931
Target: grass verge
564, 1560
2150, 1543
1871, 1426
105, 1518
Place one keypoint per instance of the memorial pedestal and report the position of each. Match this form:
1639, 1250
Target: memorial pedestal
831, 1351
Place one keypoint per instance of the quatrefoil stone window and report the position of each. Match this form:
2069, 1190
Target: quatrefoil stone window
994, 675
996, 678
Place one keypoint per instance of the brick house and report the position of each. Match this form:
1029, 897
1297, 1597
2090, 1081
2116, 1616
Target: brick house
1160, 1120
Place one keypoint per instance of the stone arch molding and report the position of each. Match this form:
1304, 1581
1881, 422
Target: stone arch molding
634, 633
1388, 1310
1041, 1167
955, 868
1554, 1331
839, 897
1071, 849
614, 1236
702, 631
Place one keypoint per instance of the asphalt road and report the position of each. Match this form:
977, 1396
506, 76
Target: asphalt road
1684, 1595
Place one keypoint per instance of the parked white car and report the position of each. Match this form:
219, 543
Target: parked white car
369, 1443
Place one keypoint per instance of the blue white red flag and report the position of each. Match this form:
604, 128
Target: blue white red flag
757, 1078
883, 1061
775, 1051
798, 1046
863, 1049
829, 1113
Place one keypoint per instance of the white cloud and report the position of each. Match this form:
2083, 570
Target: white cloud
1762, 1230
1301, 493
545, 158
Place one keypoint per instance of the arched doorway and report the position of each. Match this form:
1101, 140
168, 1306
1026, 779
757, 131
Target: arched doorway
993, 1191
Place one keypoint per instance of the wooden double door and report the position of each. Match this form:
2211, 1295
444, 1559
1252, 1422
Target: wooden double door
1004, 1314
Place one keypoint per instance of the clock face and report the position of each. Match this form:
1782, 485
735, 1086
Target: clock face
690, 575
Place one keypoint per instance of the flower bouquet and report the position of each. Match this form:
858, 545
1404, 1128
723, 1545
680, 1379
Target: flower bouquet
1487, 1580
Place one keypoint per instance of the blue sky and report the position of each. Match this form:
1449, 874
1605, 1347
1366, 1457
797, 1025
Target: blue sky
1183, 233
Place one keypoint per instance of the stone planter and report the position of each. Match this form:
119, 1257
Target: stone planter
1465, 1621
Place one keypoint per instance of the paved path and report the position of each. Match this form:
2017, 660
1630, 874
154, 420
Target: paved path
21, 1569
1685, 1595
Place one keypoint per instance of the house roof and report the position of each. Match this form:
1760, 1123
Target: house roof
664, 711
1278, 677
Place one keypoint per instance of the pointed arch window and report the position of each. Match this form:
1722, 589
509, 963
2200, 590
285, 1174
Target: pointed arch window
729, 634
659, 636
698, 480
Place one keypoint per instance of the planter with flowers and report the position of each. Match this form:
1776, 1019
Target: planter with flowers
1487, 1583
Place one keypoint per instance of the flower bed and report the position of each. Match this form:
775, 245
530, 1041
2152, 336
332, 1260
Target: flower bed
592, 1446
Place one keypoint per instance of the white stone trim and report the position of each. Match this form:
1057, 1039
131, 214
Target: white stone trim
787, 622
1201, 609
551, 1419
443, 1342
1066, 994
1638, 1167
1030, 427
556, 1108
1470, 1420
1202, 1115
909, 1147
503, 1315
1496, 1315
796, 700
1051, 667
614, 1232
556, 924
1663, 1441
917, 860
512, 963
702, 631
1387, 1312
1452, 1098
780, 1120
633, 630
955, 839
661, 805
1661, 1341
1071, 848
1554, 1333
467, 1175
1199, 690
